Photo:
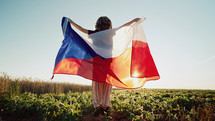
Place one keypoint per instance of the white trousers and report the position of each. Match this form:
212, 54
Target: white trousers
101, 93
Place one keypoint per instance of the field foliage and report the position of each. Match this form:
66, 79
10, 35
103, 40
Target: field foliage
143, 104
138, 104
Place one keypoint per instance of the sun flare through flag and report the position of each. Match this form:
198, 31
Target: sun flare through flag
119, 56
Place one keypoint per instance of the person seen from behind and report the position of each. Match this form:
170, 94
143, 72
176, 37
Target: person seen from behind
101, 91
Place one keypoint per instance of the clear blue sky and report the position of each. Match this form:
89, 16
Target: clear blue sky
180, 33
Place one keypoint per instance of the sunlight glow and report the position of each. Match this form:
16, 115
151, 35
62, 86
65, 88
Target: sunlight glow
134, 82
135, 74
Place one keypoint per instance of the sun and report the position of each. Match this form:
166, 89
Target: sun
135, 74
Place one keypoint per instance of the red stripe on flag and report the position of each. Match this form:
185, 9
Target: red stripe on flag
142, 61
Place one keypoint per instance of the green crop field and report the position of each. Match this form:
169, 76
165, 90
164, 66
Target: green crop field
141, 104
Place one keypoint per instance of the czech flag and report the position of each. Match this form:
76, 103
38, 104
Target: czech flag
119, 56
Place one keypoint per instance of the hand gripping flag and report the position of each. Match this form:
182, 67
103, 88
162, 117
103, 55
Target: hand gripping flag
119, 56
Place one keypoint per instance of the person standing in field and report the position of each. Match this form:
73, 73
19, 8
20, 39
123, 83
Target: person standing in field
101, 91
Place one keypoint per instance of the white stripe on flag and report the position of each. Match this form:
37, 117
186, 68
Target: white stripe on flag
113, 42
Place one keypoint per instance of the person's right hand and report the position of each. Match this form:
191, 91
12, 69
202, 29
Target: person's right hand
70, 20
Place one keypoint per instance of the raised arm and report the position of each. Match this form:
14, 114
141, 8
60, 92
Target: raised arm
129, 23
78, 27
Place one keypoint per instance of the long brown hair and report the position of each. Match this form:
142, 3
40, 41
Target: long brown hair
103, 23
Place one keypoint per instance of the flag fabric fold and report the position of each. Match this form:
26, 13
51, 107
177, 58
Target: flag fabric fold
119, 56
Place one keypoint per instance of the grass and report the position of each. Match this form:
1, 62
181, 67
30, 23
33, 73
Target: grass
21, 85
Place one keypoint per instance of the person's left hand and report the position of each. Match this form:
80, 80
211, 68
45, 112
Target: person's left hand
136, 19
